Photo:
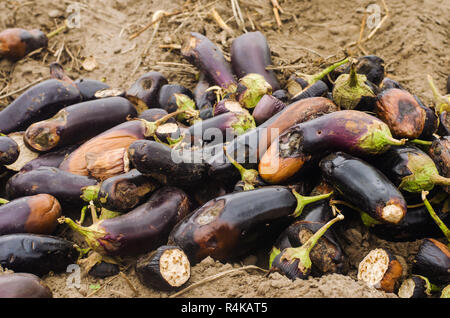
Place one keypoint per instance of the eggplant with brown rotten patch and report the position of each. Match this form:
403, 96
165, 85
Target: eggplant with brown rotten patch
439, 151
23, 285
351, 131
79, 122
267, 106
380, 269
364, 186
207, 57
37, 214
16, 43
230, 226
166, 268
139, 231
67, 188
36, 253
9, 150
147, 88
433, 261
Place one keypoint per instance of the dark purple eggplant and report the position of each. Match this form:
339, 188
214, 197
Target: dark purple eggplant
364, 186
36, 254
57, 72
153, 114
207, 57
166, 165
166, 269
16, 43
207, 191
282, 95
351, 131
431, 123
49, 159
37, 103
9, 150
230, 226
66, 187
439, 151
389, 83
415, 286
147, 88
380, 269
204, 98
227, 105
140, 230
79, 122
88, 87
104, 269
433, 261
167, 99
37, 214
250, 53
23, 285
444, 124
318, 89
267, 106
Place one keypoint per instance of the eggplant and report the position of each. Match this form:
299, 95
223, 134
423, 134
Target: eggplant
207, 57
433, 261
16, 43
147, 88
250, 53
228, 105
79, 122
104, 269
139, 231
415, 287
251, 88
207, 191
296, 262
49, 159
23, 285
167, 98
351, 131
318, 89
166, 165
25, 153
380, 269
37, 214
431, 123
66, 187
267, 106
204, 98
166, 268
39, 102
439, 151
102, 166
232, 225
388, 83
89, 87
36, 253
9, 150
281, 94
57, 72
444, 124
364, 186
153, 114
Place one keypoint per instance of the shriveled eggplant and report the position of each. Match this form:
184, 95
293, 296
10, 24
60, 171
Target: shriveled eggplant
147, 88
16, 43
23, 285
88, 87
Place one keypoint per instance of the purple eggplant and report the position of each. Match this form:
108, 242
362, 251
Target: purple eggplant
433, 261
9, 150
439, 151
147, 88
88, 87
49, 159
16, 43
415, 286
167, 99
23, 285
204, 98
282, 95
267, 106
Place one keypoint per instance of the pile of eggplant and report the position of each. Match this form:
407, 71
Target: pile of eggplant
164, 176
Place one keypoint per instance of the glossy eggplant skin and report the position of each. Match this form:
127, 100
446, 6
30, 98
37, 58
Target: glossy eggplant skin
23, 285
49, 159
364, 186
433, 261
153, 114
147, 226
318, 89
250, 53
166, 96
64, 186
88, 87
36, 254
124, 192
9, 150
16, 43
147, 88
230, 226
267, 106
36, 214
78, 122
37, 103
167, 166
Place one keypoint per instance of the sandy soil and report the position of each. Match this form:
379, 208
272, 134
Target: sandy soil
413, 41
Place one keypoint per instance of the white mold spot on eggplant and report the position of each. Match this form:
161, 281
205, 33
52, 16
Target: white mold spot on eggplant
210, 213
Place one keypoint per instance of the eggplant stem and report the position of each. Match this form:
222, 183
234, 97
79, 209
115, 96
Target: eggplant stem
396, 142
82, 215
302, 201
438, 179
421, 142
249, 176
435, 217
353, 79
318, 76
438, 98
152, 126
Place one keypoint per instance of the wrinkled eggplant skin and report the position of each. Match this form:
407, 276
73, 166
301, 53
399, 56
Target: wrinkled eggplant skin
440, 153
124, 192
39, 102
36, 254
229, 226
433, 261
64, 186
16, 43
250, 53
9, 150
167, 166
318, 89
166, 97
361, 184
104, 269
147, 88
88, 87
23, 285
49, 159
147, 226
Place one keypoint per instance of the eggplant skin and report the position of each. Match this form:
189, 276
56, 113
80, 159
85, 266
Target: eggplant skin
36, 254
9, 150
23, 285
88, 88
433, 261
364, 186
104, 269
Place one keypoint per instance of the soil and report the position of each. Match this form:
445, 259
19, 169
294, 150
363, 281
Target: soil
413, 41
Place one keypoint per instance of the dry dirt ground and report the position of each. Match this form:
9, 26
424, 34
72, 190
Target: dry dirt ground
413, 41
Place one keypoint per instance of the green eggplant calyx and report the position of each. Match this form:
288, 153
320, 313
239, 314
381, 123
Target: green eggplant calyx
108, 214
318, 76
424, 174
273, 253
302, 201
435, 217
90, 193
187, 105
302, 253
378, 139
367, 220
442, 102
244, 122
90, 234
248, 176
255, 87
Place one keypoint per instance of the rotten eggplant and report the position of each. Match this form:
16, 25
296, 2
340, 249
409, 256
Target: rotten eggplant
89, 87
147, 88
439, 151
16, 43
415, 286
9, 150
433, 261
49, 159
